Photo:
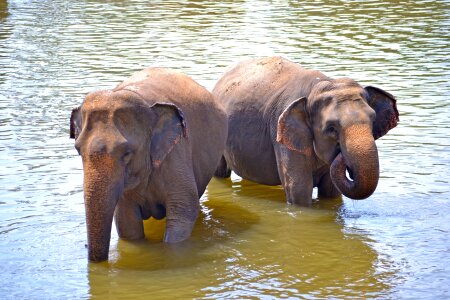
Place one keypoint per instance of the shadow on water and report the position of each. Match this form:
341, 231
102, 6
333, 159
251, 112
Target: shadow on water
216, 224
246, 246
5, 31
3, 10
153, 264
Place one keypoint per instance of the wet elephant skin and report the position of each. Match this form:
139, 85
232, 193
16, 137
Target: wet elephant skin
149, 148
299, 128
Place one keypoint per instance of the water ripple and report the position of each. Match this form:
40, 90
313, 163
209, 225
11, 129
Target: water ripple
53, 52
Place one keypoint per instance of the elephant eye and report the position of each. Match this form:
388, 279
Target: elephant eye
126, 157
331, 131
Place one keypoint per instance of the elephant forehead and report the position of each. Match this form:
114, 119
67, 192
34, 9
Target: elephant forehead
344, 93
109, 101
96, 99
349, 94
335, 99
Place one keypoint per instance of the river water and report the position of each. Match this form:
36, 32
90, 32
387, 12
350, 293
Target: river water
247, 243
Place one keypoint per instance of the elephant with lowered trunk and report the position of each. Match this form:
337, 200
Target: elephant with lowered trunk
149, 148
299, 128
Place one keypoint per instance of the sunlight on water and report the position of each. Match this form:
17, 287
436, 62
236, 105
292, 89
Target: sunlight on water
247, 241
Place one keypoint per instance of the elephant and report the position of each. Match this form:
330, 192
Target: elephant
299, 128
149, 147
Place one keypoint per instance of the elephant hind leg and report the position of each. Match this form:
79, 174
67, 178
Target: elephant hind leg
326, 188
222, 170
128, 220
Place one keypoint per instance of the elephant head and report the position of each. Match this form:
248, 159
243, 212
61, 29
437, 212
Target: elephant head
339, 121
121, 139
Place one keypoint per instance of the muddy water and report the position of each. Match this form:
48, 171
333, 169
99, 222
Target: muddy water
247, 242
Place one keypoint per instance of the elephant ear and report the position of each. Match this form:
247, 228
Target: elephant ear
75, 123
293, 129
385, 107
169, 128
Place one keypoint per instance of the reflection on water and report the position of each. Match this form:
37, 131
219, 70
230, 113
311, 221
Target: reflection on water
3, 10
235, 252
247, 242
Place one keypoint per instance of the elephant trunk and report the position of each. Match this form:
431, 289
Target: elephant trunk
359, 156
103, 186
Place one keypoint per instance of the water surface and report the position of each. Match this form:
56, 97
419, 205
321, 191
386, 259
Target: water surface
247, 241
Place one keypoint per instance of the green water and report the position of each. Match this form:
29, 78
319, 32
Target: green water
247, 243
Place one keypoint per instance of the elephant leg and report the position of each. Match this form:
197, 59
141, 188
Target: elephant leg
182, 209
128, 220
295, 171
222, 170
326, 188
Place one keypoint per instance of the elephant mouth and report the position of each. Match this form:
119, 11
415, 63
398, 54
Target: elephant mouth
348, 171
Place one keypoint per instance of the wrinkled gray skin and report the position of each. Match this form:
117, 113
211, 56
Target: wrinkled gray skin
299, 128
149, 148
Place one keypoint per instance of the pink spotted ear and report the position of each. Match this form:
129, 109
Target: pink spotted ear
75, 123
385, 107
293, 128
168, 130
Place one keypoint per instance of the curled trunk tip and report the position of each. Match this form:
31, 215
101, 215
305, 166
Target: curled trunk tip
357, 188
360, 157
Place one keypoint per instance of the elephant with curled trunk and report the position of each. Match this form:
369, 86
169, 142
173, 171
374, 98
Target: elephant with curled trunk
301, 129
149, 148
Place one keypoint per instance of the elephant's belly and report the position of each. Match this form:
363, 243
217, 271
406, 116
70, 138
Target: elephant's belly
260, 167
152, 209
249, 150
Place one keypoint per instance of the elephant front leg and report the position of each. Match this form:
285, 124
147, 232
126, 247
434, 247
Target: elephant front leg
295, 171
128, 220
182, 211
